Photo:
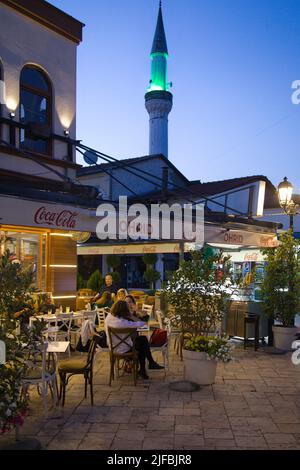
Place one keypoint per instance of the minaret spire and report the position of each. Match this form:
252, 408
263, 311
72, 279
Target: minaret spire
158, 100
159, 42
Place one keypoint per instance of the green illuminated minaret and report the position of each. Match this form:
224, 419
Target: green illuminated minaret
158, 100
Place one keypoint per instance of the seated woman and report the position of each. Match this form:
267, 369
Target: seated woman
120, 317
121, 294
133, 309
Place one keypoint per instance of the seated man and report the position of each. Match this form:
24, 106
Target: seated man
47, 305
107, 293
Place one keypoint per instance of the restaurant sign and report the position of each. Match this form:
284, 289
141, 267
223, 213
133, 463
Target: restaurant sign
240, 238
20, 212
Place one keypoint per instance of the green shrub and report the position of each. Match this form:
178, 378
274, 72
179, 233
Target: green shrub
116, 277
81, 283
95, 281
280, 289
113, 261
150, 259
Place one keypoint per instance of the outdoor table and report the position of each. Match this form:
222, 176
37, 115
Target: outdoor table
144, 329
57, 346
53, 317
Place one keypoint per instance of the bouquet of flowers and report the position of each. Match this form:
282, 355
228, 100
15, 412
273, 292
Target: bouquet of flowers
217, 348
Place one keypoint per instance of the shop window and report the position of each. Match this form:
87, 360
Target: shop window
35, 110
29, 250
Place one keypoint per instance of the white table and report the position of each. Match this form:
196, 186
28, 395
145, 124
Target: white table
58, 346
56, 317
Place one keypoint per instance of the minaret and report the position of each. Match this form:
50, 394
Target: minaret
158, 100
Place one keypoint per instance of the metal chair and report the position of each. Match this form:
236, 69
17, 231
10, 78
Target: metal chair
164, 349
116, 338
41, 373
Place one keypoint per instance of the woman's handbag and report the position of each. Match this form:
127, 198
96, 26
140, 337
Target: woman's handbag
159, 337
102, 340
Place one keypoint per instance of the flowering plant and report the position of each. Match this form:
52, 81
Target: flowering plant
13, 404
14, 287
218, 348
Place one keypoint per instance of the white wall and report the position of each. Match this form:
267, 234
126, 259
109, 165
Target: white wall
24, 41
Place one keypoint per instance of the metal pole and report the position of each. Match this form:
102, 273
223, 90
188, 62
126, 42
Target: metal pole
181, 252
292, 222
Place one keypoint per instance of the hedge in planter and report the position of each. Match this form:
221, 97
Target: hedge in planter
280, 289
199, 292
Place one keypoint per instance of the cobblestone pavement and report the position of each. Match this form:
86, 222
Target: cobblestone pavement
254, 404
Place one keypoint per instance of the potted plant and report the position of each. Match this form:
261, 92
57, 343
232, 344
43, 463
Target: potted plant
199, 292
202, 353
280, 289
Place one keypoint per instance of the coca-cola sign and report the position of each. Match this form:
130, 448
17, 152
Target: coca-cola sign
60, 219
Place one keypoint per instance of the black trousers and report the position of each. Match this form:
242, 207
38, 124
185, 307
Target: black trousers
142, 346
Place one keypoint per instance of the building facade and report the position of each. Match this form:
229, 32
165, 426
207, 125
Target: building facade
41, 206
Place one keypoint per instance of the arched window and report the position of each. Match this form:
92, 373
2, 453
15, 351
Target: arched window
35, 110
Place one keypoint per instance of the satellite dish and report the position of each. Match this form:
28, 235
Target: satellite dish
90, 158
81, 237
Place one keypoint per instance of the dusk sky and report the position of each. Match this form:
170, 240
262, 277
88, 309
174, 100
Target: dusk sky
231, 62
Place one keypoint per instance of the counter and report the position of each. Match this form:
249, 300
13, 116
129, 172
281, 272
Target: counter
234, 319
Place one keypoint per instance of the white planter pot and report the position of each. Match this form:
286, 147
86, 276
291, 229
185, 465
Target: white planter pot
198, 369
284, 337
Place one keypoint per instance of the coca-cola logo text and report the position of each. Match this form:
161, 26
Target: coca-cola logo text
65, 218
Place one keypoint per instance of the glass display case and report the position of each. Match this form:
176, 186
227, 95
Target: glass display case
248, 276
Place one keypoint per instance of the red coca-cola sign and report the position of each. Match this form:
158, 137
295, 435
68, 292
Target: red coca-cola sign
64, 218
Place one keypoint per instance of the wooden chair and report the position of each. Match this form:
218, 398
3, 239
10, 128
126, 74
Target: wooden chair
122, 336
148, 310
100, 315
78, 366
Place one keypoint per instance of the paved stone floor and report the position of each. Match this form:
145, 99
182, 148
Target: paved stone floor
254, 404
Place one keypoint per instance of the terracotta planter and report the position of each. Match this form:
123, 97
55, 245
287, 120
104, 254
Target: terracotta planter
198, 369
283, 336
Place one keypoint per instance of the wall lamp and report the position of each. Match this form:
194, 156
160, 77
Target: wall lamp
12, 115
66, 132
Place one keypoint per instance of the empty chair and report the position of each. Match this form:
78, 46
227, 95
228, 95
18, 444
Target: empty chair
89, 315
41, 373
164, 348
100, 314
82, 365
148, 310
